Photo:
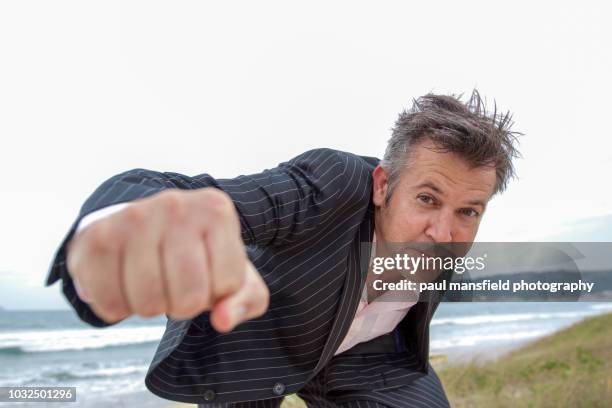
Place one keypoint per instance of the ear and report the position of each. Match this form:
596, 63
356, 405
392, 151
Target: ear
380, 180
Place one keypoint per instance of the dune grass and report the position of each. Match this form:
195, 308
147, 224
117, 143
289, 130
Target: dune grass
570, 368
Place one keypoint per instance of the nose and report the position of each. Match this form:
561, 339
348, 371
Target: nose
439, 228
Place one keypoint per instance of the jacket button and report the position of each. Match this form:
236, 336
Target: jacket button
278, 388
209, 395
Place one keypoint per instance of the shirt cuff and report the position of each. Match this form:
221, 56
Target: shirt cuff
99, 214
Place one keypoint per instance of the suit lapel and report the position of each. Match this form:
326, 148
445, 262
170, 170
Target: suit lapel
356, 272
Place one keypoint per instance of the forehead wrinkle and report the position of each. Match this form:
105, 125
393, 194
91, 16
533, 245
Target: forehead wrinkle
424, 161
441, 185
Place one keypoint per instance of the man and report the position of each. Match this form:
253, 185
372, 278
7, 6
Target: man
263, 277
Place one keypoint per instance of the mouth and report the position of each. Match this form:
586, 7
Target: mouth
417, 251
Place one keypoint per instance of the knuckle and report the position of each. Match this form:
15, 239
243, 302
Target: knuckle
218, 202
98, 236
174, 205
135, 215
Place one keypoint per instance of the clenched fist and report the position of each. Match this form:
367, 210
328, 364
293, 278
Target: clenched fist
177, 252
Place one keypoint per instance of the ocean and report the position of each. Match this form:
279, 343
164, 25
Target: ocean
54, 348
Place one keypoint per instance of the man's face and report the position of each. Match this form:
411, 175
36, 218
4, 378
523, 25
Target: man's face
438, 198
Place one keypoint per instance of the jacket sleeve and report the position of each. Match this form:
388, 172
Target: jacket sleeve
275, 207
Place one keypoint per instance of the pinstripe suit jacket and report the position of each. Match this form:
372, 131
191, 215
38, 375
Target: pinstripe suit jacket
307, 225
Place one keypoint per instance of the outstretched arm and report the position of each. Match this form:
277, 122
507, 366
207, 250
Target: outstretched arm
274, 207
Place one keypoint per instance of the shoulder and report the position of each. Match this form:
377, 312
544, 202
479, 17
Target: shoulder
346, 163
345, 176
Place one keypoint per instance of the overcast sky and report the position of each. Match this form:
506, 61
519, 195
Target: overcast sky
88, 90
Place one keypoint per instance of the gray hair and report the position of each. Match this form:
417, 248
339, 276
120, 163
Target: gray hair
467, 129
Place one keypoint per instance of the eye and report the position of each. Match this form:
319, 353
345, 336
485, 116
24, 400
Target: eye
426, 199
470, 212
